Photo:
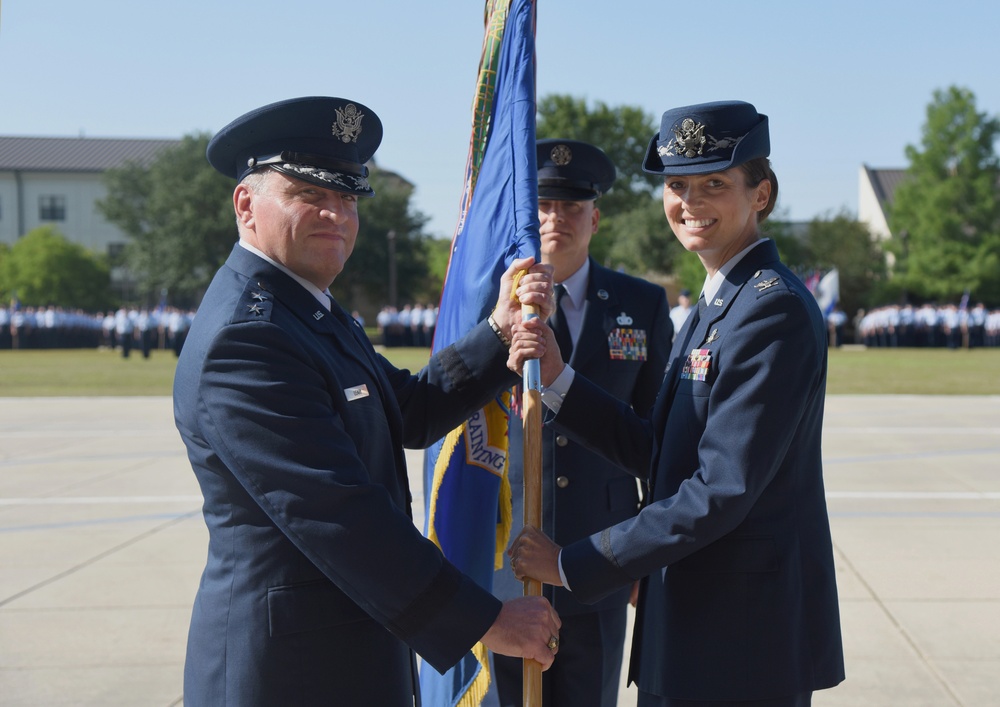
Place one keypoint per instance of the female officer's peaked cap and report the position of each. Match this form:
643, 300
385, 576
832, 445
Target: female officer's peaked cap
706, 138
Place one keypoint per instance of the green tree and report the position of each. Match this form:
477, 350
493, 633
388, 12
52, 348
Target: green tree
844, 243
623, 133
43, 268
178, 213
365, 279
946, 214
5, 289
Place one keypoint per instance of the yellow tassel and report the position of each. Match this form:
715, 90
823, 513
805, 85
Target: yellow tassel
447, 449
476, 693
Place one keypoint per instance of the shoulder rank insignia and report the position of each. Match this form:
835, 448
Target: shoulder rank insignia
255, 308
765, 284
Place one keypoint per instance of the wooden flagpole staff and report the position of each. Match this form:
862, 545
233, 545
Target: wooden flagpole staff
531, 410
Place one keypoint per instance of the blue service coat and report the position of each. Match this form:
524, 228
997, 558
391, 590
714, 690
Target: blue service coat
740, 597
317, 587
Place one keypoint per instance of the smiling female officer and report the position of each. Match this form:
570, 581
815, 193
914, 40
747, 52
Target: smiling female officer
738, 604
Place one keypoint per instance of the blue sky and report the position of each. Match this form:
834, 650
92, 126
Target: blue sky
843, 83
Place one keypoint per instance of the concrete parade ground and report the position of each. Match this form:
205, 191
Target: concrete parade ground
102, 544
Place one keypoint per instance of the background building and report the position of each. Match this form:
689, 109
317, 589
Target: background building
875, 191
56, 182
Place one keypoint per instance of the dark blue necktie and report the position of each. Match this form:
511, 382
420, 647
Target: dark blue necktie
560, 327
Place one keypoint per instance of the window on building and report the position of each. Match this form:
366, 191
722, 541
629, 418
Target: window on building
52, 207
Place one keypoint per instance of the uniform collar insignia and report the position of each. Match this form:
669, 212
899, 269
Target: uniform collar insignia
318, 314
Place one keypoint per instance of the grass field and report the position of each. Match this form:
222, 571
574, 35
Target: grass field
852, 371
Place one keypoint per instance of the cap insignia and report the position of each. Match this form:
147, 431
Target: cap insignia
561, 155
348, 125
691, 141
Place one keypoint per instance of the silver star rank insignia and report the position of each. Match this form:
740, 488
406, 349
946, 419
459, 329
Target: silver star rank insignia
255, 308
259, 296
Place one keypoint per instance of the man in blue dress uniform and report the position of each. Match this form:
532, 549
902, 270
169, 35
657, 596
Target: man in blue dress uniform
318, 589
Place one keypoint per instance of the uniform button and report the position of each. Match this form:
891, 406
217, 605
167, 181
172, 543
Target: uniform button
561, 440
562, 482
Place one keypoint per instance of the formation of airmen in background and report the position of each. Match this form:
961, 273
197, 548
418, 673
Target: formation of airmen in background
164, 328
951, 326
126, 329
409, 326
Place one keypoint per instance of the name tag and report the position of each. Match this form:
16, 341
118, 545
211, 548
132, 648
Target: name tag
357, 392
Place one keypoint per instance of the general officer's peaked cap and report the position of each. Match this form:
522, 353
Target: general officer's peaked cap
321, 140
706, 138
570, 170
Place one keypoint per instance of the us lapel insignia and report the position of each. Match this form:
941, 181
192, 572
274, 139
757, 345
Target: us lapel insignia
718, 302
765, 284
318, 314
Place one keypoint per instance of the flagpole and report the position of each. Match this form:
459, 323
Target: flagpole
532, 426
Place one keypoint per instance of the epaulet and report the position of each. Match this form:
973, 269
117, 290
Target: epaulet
764, 281
255, 303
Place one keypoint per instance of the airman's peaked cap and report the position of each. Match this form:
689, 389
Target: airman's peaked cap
571, 170
322, 140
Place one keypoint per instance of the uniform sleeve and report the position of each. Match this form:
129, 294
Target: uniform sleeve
457, 381
771, 372
267, 411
